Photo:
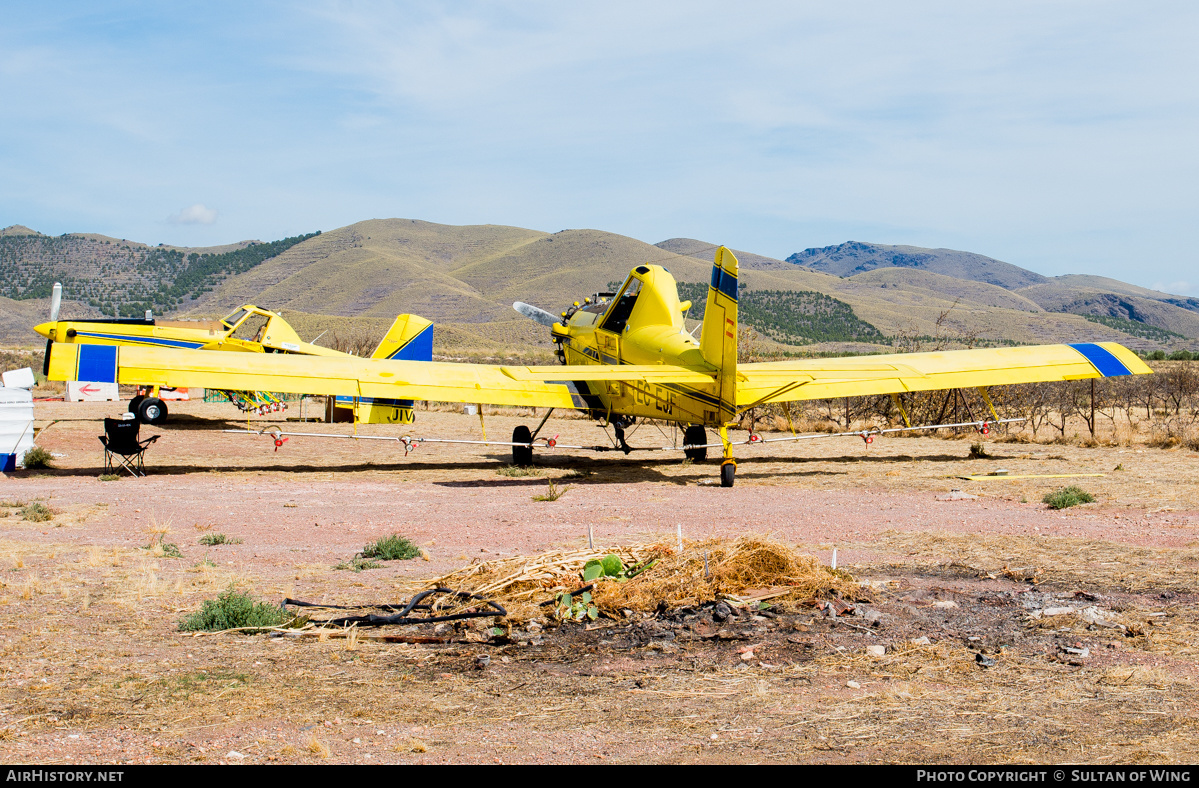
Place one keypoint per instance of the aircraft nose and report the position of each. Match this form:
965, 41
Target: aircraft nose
44, 329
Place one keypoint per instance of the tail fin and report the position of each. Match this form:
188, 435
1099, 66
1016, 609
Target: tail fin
718, 342
410, 338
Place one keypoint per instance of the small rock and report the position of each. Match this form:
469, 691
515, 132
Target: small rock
234, 755
853, 685
876, 651
1057, 611
957, 495
1081, 652
721, 611
871, 616
945, 604
534, 627
921, 641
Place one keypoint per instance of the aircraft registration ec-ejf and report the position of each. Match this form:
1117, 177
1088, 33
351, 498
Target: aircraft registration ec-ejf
624, 357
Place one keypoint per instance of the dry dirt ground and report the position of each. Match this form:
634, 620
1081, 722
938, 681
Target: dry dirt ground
1065, 636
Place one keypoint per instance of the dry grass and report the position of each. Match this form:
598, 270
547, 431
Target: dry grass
733, 567
520, 584
318, 748
710, 569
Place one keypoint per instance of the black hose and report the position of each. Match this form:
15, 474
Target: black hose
401, 618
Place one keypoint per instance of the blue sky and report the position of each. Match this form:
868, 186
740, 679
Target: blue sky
1060, 136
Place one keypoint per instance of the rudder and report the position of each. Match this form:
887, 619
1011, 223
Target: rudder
718, 340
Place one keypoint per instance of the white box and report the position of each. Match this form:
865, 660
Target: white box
18, 379
83, 391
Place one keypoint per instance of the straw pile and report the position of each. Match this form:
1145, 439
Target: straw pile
522, 583
749, 567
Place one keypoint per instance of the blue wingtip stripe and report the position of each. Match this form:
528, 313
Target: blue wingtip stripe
1108, 365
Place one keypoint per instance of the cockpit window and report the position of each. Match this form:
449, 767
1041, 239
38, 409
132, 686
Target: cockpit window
618, 316
232, 319
252, 328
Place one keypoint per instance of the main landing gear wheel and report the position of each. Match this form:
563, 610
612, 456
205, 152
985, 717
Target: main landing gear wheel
727, 472
695, 435
134, 403
522, 456
151, 410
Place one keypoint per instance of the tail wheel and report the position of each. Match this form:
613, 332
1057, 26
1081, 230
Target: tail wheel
696, 435
522, 456
151, 410
727, 472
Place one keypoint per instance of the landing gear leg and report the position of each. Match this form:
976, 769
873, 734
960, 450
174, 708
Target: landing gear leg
728, 466
619, 431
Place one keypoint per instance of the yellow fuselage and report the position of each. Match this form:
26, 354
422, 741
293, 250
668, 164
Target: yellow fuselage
266, 332
649, 331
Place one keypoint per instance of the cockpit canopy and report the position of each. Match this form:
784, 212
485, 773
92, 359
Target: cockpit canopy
651, 293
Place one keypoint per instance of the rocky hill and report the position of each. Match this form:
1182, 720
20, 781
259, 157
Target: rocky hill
855, 257
357, 278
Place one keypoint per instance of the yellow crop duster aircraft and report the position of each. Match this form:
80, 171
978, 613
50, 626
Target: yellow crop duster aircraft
248, 329
625, 357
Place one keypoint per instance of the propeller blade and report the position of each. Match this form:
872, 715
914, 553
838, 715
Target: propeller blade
535, 314
55, 302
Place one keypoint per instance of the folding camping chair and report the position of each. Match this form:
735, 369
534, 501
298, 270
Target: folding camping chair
121, 443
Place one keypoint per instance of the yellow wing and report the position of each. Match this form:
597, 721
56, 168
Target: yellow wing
548, 387
786, 381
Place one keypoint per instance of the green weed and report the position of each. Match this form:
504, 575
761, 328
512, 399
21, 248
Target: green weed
391, 548
234, 610
212, 540
37, 457
1067, 497
109, 477
37, 512
553, 493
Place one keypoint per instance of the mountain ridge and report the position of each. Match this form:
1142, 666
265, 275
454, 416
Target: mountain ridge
468, 276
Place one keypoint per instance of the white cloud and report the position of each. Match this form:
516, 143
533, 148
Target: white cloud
196, 214
1180, 287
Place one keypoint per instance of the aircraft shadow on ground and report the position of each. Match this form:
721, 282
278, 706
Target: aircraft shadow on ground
596, 471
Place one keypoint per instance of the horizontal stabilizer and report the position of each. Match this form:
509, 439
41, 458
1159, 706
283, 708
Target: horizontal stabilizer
649, 373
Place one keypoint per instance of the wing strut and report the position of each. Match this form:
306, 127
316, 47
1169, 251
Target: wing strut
540, 425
